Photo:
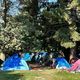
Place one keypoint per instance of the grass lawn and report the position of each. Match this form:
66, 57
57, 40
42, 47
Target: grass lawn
39, 75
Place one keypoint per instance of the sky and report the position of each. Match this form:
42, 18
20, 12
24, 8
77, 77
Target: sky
1, 1
14, 9
52, 1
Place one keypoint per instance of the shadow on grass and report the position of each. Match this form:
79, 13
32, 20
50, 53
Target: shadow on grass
10, 75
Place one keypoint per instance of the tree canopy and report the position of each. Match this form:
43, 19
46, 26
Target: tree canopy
36, 25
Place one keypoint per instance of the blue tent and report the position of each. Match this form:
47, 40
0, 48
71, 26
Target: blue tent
44, 54
27, 57
40, 55
15, 63
62, 63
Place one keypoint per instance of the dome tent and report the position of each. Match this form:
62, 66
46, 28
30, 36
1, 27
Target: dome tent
27, 57
62, 63
14, 63
75, 67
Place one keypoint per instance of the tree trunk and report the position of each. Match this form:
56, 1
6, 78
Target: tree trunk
2, 56
5, 12
72, 54
33, 7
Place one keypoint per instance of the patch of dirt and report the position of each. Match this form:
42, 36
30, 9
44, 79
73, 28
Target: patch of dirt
36, 67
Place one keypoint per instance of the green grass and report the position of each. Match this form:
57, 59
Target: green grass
39, 75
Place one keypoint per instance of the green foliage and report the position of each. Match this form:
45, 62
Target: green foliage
62, 34
46, 29
75, 36
10, 36
70, 35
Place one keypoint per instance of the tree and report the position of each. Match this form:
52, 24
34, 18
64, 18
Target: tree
18, 31
60, 22
41, 25
10, 30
